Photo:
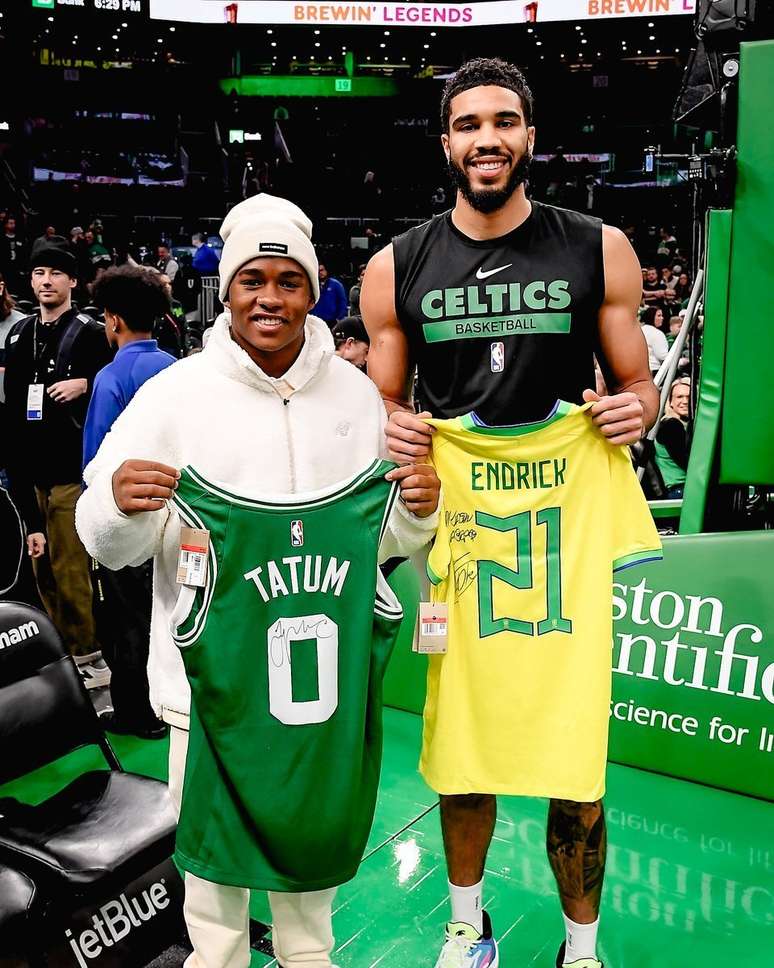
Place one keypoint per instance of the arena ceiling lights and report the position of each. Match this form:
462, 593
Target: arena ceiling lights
391, 14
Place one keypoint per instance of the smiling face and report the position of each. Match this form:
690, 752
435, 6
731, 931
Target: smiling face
680, 400
489, 145
269, 298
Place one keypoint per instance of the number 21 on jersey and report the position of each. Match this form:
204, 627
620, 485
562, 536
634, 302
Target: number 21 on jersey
522, 576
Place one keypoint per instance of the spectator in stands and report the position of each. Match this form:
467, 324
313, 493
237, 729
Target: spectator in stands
354, 292
667, 277
170, 330
654, 337
589, 197
655, 316
332, 304
9, 316
683, 288
12, 257
48, 233
667, 246
375, 241
206, 259
98, 229
372, 197
675, 324
653, 290
351, 341
19, 544
80, 250
672, 439
132, 298
166, 264
99, 256
52, 358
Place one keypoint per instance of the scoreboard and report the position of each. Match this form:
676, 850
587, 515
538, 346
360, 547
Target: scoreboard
107, 6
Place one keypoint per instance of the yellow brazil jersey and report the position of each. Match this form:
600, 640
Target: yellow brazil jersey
534, 520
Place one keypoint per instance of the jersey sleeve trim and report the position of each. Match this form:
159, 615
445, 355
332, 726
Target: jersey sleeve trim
386, 602
637, 558
435, 579
189, 637
389, 503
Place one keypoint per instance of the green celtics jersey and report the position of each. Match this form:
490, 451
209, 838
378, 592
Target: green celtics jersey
285, 649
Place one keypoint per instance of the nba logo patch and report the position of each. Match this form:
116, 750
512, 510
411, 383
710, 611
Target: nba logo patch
497, 357
297, 533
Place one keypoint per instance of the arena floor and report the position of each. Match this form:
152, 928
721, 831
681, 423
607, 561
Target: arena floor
690, 875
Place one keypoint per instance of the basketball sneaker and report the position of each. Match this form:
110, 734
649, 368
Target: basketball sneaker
466, 948
581, 963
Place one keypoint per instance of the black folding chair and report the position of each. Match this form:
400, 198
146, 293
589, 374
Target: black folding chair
107, 828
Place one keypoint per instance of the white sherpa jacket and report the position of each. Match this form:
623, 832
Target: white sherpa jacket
222, 414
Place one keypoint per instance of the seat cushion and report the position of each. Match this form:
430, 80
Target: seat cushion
103, 824
17, 893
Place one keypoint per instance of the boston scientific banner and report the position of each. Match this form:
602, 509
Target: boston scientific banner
391, 14
693, 662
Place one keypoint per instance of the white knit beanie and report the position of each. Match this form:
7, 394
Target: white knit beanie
266, 225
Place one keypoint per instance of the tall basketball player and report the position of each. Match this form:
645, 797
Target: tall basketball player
501, 305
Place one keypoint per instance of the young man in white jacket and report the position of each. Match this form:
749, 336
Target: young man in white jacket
267, 406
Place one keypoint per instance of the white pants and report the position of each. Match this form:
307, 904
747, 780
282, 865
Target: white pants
217, 915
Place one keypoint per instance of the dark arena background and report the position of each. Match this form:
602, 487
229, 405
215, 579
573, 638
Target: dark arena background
130, 128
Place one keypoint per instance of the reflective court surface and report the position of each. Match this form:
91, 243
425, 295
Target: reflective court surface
690, 876
690, 873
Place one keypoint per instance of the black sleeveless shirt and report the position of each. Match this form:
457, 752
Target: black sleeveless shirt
504, 326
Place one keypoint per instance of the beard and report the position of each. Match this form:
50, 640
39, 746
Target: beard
488, 200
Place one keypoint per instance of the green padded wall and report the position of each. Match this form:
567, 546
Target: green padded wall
747, 440
707, 426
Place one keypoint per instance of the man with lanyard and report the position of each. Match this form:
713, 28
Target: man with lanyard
52, 358
431, 301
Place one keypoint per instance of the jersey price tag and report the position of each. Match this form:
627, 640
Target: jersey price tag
431, 634
192, 563
35, 401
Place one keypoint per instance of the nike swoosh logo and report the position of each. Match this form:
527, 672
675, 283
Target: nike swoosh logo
480, 274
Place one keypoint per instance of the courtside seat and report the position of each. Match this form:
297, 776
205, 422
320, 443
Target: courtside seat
17, 903
105, 827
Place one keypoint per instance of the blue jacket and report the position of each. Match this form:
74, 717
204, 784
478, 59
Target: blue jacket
332, 304
206, 260
114, 387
